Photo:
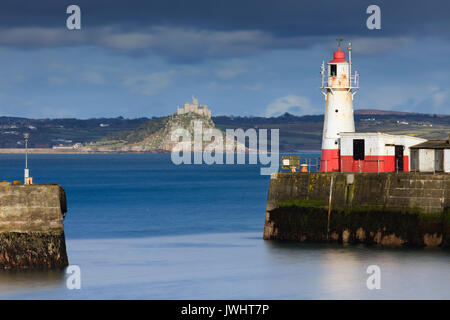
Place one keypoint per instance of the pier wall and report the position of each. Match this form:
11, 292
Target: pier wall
387, 208
31, 226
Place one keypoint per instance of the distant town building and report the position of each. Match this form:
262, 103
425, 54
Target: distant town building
195, 108
67, 147
62, 147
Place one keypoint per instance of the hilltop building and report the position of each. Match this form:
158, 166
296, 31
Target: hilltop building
194, 107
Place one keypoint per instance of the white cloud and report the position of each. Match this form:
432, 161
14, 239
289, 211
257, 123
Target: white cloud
372, 46
56, 80
256, 87
411, 98
228, 73
55, 112
94, 77
184, 43
61, 67
39, 36
217, 85
440, 97
149, 84
170, 41
391, 97
291, 103
18, 78
230, 69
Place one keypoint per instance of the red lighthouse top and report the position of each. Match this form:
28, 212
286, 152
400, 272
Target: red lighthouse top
339, 56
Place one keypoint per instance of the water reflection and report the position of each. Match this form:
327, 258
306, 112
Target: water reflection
30, 280
339, 272
235, 266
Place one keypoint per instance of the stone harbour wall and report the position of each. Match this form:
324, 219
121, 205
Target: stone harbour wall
31, 226
386, 209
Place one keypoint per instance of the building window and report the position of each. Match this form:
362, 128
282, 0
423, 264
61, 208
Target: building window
333, 70
358, 149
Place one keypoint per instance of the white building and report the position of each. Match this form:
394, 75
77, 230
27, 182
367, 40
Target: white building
431, 156
376, 152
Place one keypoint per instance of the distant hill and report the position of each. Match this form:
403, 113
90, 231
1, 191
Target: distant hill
46, 133
152, 136
11, 118
305, 132
396, 113
296, 132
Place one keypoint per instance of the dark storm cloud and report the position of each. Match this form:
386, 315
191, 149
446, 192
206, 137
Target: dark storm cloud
196, 29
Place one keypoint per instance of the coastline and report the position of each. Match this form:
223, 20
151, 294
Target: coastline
74, 151
64, 151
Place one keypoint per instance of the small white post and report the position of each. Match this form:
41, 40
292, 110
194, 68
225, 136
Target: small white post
26, 171
350, 62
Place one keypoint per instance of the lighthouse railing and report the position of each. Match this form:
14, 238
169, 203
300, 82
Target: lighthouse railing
354, 80
352, 83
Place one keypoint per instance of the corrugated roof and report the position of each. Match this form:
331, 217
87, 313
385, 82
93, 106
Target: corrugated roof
432, 144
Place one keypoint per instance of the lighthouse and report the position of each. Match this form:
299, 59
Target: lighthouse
339, 86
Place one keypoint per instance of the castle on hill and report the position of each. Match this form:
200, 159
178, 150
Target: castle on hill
194, 107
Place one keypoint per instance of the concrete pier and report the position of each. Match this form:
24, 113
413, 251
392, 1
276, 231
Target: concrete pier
386, 209
31, 226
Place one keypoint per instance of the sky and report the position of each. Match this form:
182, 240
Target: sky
139, 58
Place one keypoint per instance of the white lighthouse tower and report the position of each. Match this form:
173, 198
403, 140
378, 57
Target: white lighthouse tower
339, 89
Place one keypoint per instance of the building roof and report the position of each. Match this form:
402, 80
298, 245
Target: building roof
432, 144
339, 56
391, 135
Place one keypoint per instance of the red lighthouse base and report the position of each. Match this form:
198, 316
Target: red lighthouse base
329, 160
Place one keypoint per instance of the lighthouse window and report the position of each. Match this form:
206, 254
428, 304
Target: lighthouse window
358, 149
333, 70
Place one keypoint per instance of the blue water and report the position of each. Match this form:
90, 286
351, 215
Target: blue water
140, 227
121, 196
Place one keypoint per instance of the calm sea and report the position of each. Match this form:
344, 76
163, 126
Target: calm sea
140, 227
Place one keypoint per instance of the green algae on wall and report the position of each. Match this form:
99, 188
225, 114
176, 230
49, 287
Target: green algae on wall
35, 250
